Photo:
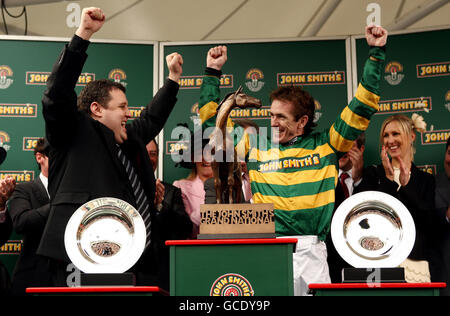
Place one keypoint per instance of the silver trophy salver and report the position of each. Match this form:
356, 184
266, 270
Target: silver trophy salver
373, 230
105, 237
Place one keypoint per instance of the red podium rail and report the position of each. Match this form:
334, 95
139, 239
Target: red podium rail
377, 289
97, 290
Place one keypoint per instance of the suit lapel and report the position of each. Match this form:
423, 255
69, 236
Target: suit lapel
141, 162
108, 138
40, 192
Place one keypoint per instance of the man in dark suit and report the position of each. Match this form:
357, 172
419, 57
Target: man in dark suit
5, 231
29, 208
94, 152
171, 220
7, 186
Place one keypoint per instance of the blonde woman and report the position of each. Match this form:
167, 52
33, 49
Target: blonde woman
398, 176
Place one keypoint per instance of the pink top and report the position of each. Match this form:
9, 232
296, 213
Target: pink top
193, 193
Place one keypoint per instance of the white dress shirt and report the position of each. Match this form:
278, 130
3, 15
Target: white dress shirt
44, 180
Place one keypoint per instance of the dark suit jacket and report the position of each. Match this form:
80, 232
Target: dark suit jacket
417, 196
171, 223
5, 280
83, 156
335, 261
29, 208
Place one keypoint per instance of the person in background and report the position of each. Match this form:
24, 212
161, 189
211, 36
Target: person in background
350, 175
7, 186
192, 187
171, 220
442, 200
29, 208
398, 176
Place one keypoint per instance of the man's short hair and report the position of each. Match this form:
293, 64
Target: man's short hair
448, 142
303, 103
97, 91
42, 146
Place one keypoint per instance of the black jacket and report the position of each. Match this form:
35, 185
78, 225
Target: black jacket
171, 223
417, 196
5, 229
29, 208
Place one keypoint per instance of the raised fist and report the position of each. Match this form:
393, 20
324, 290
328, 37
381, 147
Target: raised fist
174, 62
216, 57
376, 35
92, 20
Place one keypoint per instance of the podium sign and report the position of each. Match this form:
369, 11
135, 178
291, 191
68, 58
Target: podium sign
236, 221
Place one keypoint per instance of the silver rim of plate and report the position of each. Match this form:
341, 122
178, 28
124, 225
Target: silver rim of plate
105, 235
373, 229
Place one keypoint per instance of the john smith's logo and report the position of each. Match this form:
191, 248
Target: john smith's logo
4, 140
318, 111
5, 73
254, 80
118, 75
394, 73
231, 284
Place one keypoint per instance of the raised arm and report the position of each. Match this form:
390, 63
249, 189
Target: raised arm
92, 20
355, 117
60, 99
155, 115
210, 92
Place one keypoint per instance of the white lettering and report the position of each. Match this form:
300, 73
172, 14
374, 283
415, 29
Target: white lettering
374, 18
74, 18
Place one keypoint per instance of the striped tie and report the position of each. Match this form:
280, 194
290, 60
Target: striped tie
141, 198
